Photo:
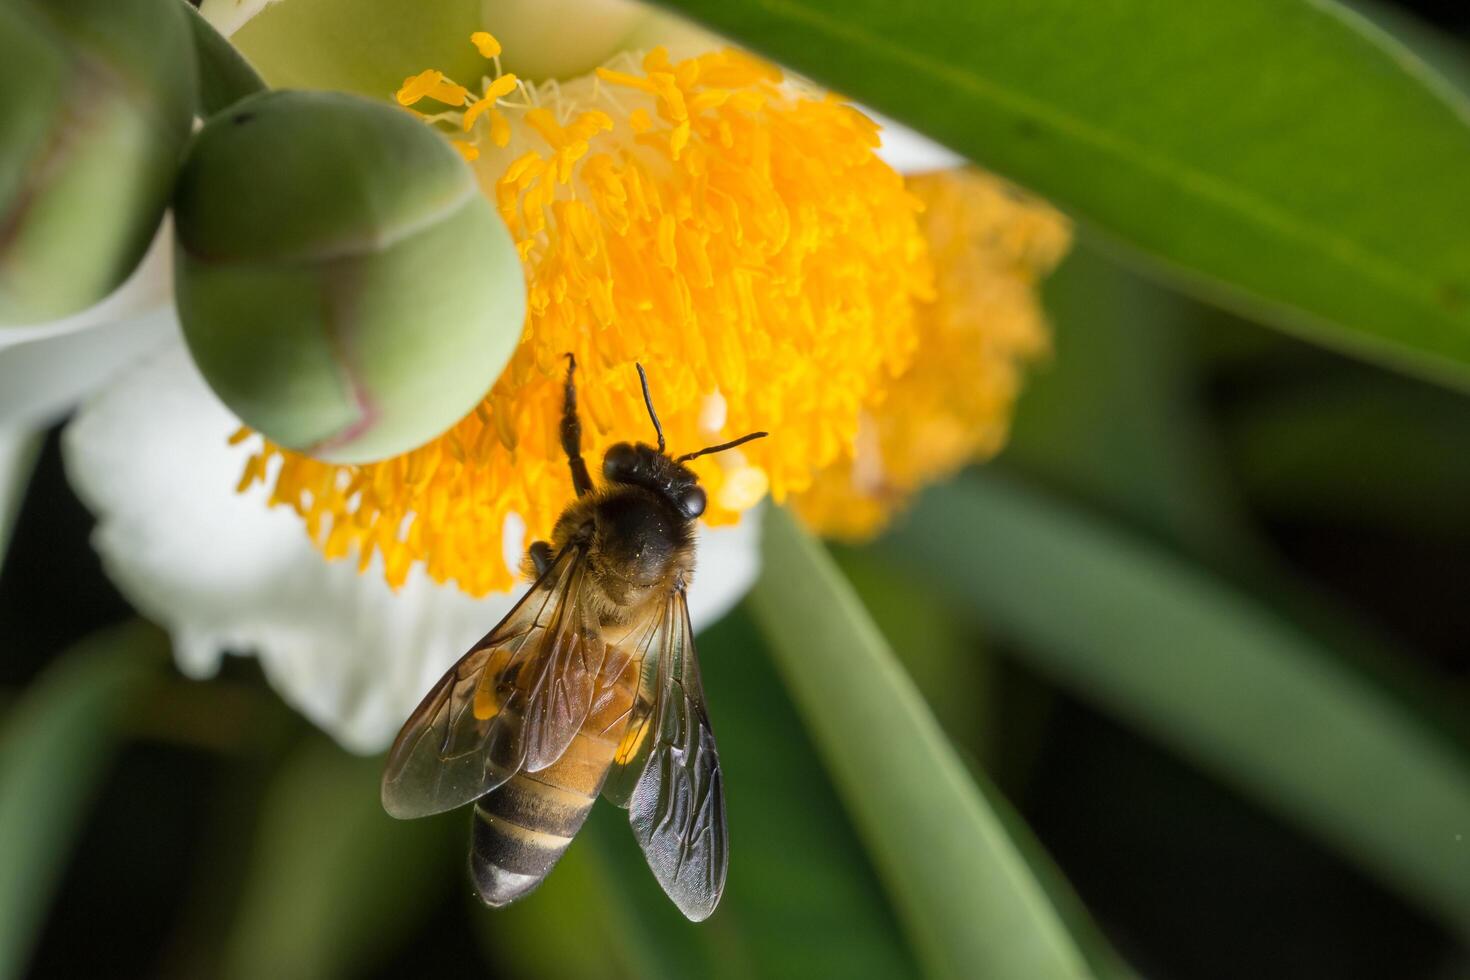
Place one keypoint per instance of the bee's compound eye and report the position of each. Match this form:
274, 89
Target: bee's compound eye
620, 463
692, 501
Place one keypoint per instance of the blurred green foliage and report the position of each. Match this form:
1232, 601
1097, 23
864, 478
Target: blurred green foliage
968, 898
1208, 671
55, 744
333, 882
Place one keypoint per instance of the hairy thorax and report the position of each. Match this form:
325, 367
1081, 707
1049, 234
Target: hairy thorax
638, 551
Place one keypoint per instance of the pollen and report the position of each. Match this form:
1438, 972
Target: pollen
486, 44
728, 228
430, 85
991, 246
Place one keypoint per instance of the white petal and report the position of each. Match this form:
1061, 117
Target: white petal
222, 572
40, 380
728, 563
909, 152
228, 16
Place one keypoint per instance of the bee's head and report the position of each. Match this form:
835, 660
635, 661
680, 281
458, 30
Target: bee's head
653, 469
644, 466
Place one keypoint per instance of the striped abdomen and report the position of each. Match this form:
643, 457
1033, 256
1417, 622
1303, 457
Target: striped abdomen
525, 825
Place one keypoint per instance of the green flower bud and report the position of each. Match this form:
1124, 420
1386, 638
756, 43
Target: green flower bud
99, 98
343, 284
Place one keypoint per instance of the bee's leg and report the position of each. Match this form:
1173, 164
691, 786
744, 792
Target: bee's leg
540, 555
571, 434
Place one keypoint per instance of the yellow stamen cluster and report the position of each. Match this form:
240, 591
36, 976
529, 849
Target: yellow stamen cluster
990, 246
705, 217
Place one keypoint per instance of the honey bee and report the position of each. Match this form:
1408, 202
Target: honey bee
590, 684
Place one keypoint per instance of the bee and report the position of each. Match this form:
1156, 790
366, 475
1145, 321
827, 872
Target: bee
590, 684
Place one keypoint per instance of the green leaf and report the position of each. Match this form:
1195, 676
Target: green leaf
951, 670
955, 678
334, 881
55, 745
1223, 680
225, 77
1281, 156
965, 894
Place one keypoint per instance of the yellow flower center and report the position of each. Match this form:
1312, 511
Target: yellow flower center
729, 230
990, 245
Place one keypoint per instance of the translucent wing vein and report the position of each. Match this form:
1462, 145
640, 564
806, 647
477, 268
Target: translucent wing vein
514, 701
677, 801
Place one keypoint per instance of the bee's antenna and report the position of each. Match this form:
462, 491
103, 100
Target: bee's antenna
722, 446
648, 400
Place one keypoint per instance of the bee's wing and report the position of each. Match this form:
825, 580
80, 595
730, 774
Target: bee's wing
514, 702
667, 770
